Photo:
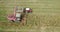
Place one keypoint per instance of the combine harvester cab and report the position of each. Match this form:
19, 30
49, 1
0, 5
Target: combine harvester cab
18, 13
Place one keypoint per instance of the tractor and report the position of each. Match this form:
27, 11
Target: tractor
18, 14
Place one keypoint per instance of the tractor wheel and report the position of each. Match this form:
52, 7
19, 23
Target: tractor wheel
12, 20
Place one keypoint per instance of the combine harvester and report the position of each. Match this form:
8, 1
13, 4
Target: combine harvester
19, 14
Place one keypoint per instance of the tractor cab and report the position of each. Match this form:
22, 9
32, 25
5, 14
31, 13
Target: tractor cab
28, 10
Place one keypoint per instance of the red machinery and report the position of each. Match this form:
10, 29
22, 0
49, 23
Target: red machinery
16, 16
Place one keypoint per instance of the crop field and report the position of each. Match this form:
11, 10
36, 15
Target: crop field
44, 18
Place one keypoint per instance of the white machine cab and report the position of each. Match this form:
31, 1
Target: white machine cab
27, 8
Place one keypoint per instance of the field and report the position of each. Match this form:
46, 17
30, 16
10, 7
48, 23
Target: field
45, 16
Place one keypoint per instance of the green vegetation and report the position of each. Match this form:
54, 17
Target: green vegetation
45, 16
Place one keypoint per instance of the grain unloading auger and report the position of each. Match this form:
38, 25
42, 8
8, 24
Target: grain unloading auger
18, 14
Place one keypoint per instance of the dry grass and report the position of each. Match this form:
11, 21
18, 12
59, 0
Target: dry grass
45, 16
